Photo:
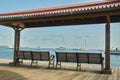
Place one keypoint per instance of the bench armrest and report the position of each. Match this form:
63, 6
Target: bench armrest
102, 58
52, 57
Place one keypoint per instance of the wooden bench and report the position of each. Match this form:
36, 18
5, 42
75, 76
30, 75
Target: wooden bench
35, 56
90, 58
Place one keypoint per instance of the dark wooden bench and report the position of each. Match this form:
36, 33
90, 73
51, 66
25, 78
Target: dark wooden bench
35, 56
90, 58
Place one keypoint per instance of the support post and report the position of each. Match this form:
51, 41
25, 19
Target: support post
16, 43
107, 69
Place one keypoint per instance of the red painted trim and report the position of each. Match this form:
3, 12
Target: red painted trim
62, 7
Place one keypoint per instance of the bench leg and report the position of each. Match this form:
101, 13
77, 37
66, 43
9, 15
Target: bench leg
78, 66
36, 62
20, 61
58, 63
102, 65
31, 63
51, 62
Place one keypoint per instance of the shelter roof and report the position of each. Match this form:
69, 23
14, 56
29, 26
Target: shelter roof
70, 10
63, 9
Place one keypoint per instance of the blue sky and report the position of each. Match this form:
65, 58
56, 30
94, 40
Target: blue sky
66, 36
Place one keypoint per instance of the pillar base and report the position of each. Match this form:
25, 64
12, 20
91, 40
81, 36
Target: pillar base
104, 71
13, 63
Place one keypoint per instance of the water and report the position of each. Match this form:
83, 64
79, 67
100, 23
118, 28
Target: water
115, 60
8, 53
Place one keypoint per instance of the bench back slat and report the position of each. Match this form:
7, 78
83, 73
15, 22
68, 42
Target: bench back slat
82, 57
45, 56
71, 57
36, 55
95, 58
91, 58
27, 55
20, 54
61, 57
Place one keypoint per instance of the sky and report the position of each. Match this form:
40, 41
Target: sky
80, 36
